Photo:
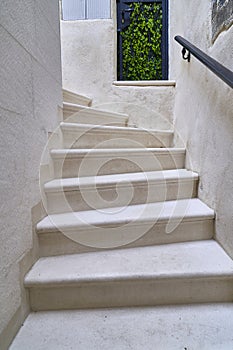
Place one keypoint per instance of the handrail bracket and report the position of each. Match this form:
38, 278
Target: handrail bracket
216, 67
186, 54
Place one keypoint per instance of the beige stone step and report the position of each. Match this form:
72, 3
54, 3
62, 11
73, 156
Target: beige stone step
183, 273
74, 113
72, 97
96, 192
89, 136
132, 226
191, 327
88, 162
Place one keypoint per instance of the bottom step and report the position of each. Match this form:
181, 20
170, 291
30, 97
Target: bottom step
191, 327
179, 273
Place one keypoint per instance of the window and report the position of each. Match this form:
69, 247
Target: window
85, 9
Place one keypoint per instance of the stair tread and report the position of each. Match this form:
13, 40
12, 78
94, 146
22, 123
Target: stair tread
70, 153
187, 209
120, 179
167, 327
105, 128
93, 110
178, 260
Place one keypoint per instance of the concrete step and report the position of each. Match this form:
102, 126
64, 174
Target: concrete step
104, 191
193, 272
90, 136
131, 226
190, 327
72, 97
89, 162
74, 113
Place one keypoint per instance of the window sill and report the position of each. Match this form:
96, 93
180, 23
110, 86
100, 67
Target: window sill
143, 83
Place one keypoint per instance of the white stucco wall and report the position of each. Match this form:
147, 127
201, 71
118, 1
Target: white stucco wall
204, 111
89, 59
30, 94
88, 56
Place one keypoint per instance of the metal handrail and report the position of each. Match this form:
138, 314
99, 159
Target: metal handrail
217, 68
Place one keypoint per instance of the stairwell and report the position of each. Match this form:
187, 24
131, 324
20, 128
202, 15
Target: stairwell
127, 254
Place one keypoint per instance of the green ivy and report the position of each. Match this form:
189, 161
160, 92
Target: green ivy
142, 57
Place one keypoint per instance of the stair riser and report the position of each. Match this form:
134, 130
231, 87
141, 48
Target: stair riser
84, 118
125, 293
111, 139
56, 243
89, 165
117, 196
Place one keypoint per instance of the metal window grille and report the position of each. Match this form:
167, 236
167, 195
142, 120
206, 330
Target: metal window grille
85, 9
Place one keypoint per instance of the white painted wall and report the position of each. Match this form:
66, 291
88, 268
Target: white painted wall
30, 94
204, 111
89, 59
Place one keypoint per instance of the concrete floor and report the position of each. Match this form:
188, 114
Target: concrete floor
189, 327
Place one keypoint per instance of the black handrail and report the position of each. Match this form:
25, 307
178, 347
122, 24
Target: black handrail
217, 68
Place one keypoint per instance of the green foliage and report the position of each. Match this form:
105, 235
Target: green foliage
142, 57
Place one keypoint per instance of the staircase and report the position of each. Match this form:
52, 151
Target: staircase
125, 228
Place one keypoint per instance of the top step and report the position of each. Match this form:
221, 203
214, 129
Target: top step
71, 97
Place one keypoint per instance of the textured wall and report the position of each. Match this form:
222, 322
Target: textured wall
30, 93
203, 111
222, 16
